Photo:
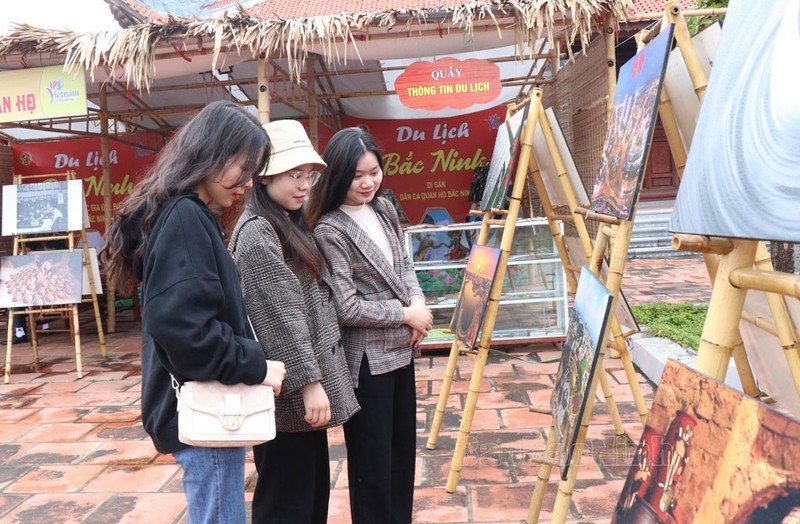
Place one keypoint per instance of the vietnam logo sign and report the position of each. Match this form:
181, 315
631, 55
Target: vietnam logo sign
448, 82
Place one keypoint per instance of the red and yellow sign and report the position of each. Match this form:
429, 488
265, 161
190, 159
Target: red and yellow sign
430, 162
128, 164
448, 82
42, 92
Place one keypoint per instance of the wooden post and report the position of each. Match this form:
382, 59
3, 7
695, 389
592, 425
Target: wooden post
684, 39
720, 331
609, 38
263, 88
313, 120
542, 478
111, 306
487, 328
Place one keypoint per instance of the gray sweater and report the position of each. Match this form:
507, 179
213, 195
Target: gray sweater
295, 321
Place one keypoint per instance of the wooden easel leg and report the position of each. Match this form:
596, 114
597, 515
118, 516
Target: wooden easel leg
542, 479
783, 321
613, 411
721, 329
630, 372
466, 419
9, 343
77, 330
34, 338
441, 405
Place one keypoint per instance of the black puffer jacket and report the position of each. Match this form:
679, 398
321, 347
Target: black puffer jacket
194, 321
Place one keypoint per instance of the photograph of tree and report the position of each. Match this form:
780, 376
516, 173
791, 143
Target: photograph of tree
474, 296
742, 178
630, 130
585, 335
713, 455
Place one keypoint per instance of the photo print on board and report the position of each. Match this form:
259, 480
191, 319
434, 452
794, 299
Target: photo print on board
630, 129
742, 178
588, 319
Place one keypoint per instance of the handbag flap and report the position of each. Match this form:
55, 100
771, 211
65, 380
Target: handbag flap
212, 397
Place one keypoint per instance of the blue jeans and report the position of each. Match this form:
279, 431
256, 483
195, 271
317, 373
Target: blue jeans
213, 481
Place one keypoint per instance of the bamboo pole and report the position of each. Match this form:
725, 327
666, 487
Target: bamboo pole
263, 89
609, 39
111, 305
787, 335
77, 334
526, 147
313, 122
684, 39
542, 479
720, 331
767, 281
701, 244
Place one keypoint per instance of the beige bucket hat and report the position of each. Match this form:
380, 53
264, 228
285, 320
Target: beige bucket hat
291, 147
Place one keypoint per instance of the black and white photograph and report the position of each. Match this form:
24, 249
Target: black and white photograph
43, 207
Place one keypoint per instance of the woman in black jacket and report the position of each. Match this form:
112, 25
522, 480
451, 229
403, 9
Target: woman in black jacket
194, 323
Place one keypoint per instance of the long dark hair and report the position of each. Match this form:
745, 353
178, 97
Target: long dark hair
221, 133
342, 155
299, 248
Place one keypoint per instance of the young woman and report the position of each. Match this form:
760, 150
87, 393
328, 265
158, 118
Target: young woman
382, 313
284, 277
194, 323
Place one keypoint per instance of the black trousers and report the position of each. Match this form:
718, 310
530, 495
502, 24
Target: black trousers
381, 447
294, 480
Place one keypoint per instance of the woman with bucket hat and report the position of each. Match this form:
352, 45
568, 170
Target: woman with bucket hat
284, 278
383, 318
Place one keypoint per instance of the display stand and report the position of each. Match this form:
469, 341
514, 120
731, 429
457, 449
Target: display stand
20, 248
508, 222
711, 249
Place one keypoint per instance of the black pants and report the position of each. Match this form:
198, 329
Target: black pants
294, 481
381, 447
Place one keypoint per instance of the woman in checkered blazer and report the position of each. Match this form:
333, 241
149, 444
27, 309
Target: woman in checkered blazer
382, 314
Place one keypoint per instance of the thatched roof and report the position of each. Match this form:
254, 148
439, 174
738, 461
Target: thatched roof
135, 49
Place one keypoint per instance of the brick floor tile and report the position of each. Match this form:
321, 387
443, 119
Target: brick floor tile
60, 414
14, 415
122, 452
117, 431
503, 503
123, 508
133, 478
57, 453
113, 414
434, 505
13, 432
516, 418
55, 507
54, 479
57, 432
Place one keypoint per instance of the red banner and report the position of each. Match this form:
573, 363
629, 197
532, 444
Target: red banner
448, 82
83, 156
429, 163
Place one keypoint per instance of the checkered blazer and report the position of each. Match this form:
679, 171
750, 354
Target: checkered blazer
368, 292
295, 321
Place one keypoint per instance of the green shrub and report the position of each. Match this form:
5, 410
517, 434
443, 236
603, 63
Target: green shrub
682, 323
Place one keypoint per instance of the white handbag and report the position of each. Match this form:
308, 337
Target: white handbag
212, 414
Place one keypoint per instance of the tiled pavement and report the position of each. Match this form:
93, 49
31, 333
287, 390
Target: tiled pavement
74, 451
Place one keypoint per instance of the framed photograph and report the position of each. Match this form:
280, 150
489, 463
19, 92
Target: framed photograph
711, 454
476, 286
44, 207
503, 164
45, 278
630, 129
588, 319
742, 178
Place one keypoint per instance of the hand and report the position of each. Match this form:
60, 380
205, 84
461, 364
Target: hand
276, 372
418, 317
417, 337
318, 407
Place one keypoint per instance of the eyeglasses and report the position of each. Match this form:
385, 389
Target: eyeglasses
299, 177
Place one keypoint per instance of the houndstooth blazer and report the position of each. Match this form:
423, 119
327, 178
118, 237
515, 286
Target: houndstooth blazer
368, 292
295, 321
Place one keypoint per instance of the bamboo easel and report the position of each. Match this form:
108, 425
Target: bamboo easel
20, 247
714, 249
487, 327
